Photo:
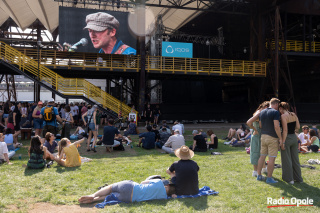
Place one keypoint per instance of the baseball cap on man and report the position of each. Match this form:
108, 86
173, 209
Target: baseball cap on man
51, 100
101, 21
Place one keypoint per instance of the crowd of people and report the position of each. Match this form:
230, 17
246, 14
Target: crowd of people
272, 127
46, 118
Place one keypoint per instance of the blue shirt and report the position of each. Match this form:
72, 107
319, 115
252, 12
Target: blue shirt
149, 139
150, 191
108, 134
54, 120
128, 51
267, 116
51, 148
8, 139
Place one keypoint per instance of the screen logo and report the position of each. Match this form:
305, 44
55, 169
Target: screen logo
177, 49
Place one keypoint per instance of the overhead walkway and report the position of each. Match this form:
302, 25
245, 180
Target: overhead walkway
154, 64
297, 46
65, 87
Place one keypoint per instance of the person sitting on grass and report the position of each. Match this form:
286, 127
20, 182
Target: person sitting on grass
184, 173
129, 191
199, 143
4, 154
132, 129
109, 134
8, 139
37, 154
148, 139
304, 138
245, 137
79, 131
235, 132
164, 136
51, 145
174, 142
156, 132
212, 142
165, 125
313, 143
72, 156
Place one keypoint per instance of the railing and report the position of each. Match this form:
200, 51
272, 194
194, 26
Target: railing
67, 86
297, 46
155, 64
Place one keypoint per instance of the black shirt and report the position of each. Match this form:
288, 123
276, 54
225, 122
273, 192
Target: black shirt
108, 134
18, 115
186, 177
156, 132
201, 142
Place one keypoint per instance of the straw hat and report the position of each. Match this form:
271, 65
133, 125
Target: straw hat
184, 153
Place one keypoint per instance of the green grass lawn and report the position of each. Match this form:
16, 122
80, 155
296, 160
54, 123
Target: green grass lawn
229, 174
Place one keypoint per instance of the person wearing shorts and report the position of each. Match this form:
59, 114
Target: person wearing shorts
92, 124
269, 121
129, 191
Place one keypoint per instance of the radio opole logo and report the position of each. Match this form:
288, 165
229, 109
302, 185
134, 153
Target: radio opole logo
281, 202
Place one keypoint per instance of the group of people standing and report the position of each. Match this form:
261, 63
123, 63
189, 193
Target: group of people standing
268, 137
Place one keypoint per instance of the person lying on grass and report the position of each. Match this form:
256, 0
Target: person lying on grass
129, 191
72, 156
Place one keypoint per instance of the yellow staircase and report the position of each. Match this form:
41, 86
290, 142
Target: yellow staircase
66, 86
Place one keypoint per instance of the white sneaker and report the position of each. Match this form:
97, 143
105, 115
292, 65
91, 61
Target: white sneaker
291, 182
254, 174
264, 170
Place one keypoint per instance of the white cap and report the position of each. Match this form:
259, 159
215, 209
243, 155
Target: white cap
51, 100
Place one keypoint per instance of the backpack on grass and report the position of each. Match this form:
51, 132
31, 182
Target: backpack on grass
48, 114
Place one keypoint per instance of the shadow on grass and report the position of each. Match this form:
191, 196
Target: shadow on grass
201, 203
299, 191
198, 204
30, 172
62, 169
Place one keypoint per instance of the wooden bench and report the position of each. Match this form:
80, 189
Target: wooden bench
25, 131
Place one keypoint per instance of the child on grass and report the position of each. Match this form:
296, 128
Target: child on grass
72, 156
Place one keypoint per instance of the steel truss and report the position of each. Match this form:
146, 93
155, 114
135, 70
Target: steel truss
240, 7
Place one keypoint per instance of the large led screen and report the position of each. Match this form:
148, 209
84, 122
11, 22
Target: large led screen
105, 31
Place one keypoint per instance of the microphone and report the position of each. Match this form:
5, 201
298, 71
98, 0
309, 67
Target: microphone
82, 42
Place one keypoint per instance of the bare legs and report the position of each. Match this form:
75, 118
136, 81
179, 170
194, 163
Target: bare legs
97, 196
38, 132
89, 140
15, 136
231, 133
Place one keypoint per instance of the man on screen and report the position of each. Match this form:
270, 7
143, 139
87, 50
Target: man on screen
102, 29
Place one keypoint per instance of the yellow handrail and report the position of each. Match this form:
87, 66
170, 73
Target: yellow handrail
155, 64
67, 86
297, 46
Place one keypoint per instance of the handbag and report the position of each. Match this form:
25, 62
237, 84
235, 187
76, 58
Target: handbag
88, 129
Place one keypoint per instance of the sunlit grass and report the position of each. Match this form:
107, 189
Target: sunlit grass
230, 174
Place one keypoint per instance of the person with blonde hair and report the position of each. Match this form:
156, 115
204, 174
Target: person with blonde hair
255, 143
72, 156
291, 170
